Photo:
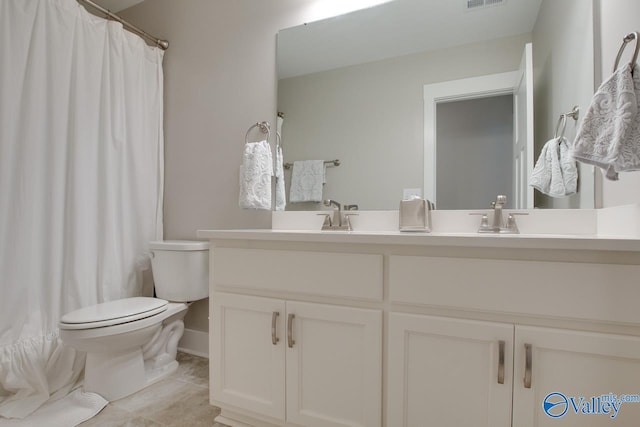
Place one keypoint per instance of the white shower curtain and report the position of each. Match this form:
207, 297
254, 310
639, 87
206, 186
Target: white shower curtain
81, 178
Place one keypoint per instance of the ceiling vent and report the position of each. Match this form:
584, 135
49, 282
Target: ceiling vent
479, 4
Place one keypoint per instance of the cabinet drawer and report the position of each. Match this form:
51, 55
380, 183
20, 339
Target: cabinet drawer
604, 292
341, 275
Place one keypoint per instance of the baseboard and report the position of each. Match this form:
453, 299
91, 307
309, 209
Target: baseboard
194, 342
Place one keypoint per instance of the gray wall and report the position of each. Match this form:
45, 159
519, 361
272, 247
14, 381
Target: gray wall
475, 142
375, 111
618, 17
563, 58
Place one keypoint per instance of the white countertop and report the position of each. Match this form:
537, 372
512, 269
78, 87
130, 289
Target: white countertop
521, 241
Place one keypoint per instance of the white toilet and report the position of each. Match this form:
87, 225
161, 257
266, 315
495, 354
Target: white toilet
132, 343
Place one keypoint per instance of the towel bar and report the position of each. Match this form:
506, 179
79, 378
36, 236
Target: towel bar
335, 162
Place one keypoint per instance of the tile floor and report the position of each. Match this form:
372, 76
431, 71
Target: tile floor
182, 400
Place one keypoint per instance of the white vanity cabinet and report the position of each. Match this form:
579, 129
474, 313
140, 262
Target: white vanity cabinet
415, 331
303, 363
334, 367
431, 358
451, 372
247, 368
448, 372
578, 365
290, 362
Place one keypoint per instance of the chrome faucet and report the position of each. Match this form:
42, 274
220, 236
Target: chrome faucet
339, 220
337, 211
498, 224
497, 206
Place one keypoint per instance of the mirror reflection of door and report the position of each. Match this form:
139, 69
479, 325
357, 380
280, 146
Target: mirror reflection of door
474, 138
523, 131
479, 139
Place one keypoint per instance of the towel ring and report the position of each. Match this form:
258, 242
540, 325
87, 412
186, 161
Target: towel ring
264, 128
563, 121
625, 41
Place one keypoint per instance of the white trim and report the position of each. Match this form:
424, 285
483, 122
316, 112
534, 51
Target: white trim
195, 342
474, 87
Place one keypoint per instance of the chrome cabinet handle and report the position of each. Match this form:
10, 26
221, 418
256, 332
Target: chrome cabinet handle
527, 365
501, 345
290, 340
274, 320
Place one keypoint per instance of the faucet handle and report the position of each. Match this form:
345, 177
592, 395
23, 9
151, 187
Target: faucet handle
327, 220
484, 223
347, 219
511, 227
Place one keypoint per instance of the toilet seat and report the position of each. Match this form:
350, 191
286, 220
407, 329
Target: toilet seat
113, 313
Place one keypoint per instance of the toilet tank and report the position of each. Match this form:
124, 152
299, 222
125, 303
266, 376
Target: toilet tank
180, 269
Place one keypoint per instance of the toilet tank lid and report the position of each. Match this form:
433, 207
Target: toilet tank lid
137, 307
179, 245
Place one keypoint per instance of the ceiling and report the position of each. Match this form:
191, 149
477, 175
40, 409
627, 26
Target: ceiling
117, 5
415, 25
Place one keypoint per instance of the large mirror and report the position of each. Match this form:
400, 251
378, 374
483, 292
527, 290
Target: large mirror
435, 97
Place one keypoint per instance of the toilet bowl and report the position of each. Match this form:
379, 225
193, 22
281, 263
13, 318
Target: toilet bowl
132, 343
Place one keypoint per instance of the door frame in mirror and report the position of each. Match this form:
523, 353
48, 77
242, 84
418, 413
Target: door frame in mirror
456, 90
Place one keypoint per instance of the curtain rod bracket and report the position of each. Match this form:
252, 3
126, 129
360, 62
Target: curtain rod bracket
162, 44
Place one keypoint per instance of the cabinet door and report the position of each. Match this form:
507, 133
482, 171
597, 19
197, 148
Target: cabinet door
572, 376
448, 372
247, 368
334, 367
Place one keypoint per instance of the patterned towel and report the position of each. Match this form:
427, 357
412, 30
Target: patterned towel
555, 173
307, 180
255, 176
609, 136
281, 198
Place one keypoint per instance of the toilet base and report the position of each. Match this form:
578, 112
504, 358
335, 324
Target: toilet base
115, 375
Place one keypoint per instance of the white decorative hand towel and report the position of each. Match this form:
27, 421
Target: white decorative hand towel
569, 168
255, 176
629, 158
555, 173
307, 179
281, 198
540, 178
608, 124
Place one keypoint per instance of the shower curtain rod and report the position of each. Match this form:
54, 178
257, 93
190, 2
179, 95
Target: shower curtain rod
162, 44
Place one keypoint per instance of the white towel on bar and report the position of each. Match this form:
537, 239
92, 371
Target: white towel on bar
307, 180
281, 197
555, 173
609, 136
255, 176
